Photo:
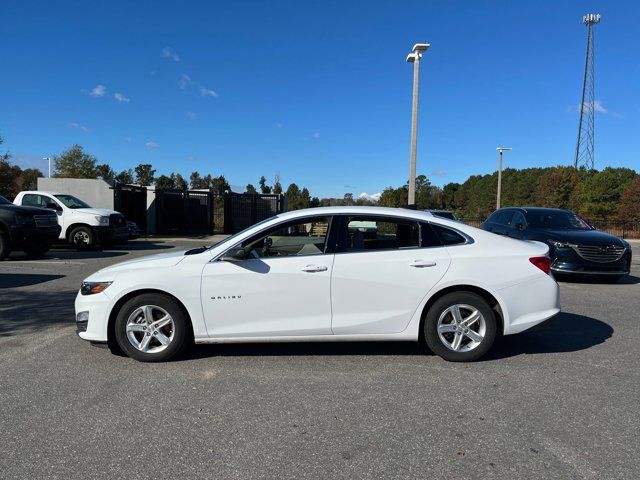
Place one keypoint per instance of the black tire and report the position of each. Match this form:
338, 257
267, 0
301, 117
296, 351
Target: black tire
468, 301
178, 333
82, 238
5, 245
36, 249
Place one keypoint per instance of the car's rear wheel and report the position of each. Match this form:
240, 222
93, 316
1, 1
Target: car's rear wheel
151, 328
82, 238
460, 327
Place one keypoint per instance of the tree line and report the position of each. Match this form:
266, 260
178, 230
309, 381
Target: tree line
612, 193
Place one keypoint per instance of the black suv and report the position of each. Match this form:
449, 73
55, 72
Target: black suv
26, 228
575, 247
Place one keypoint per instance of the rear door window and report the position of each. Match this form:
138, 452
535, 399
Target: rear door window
379, 233
448, 236
505, 217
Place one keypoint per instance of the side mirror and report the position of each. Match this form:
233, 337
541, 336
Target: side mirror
234, 255
520, 227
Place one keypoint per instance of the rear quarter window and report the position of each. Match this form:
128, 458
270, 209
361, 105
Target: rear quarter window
448, 236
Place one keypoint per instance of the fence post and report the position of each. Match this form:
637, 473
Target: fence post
226, 202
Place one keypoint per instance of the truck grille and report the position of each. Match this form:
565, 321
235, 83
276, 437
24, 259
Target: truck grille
600, 253
45, 220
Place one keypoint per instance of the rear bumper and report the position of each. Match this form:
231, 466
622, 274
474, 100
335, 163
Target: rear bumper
530, 303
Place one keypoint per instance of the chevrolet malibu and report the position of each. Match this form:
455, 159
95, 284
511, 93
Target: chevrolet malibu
318, 275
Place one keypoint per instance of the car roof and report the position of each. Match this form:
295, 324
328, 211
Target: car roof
534, 209
40, 192
357, 210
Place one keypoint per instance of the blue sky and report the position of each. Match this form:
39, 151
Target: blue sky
318, 92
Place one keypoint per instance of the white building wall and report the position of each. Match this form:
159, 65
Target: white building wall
97, 193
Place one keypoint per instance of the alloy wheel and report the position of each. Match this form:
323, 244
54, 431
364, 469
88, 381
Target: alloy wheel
150, 329
461, 328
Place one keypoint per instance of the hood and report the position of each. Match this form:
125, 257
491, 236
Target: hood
582, 237
151, 261
95, 211
26, 210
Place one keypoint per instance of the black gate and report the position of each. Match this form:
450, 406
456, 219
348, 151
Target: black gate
184, 211
206, 212
241, 210
131, 201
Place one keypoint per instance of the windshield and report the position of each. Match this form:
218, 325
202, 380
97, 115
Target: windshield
557, 221
232, 237
4, 201
70, 201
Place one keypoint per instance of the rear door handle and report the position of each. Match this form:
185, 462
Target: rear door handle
314, 268
423, 263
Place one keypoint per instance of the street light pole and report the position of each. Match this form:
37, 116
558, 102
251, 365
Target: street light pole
414, 57
500, 150
48, 159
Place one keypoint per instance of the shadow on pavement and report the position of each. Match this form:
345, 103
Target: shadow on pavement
29, 310
567, 332
303, 349
11, 280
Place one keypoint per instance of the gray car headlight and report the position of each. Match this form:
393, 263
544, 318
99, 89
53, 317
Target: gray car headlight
91, 288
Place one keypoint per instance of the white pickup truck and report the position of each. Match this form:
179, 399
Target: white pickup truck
82, 226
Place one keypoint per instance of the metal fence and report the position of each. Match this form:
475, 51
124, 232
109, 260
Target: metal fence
241, 210
131, 201
619, 228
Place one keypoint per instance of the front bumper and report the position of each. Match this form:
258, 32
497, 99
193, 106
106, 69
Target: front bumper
94, 328
567, 261
113, 234
25, 234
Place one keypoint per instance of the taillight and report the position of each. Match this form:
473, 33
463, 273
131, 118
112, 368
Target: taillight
543, 263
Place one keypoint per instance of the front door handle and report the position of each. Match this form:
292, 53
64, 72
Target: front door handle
423, 263
314, 268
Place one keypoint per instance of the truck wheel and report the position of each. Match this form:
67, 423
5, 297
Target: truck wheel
36, 249
82, 238
5, 246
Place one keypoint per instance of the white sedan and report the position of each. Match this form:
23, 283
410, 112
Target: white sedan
317, 275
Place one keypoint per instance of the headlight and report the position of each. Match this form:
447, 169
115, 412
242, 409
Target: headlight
91, 288
102, 220
24, 220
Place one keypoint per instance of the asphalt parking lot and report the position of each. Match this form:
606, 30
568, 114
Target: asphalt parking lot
559, 402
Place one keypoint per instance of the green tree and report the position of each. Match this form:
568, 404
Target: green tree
348, 199
449, 193
179, 182
219, 184
601, 191
264, 188
125, 176
277, 186
105, 172
9, 175
145, 174
164, 182
629, 204
28, 179
250, 188
559, 188
75, 163
197, 182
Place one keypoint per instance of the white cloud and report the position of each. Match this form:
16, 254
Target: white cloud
438, 172
374, 197
185, 81
190, 158
191, 115
168, 53
121, 98
597, 106
152, 144
98, 91
129, 139
316, 135
278, 125
205, 92
78, 126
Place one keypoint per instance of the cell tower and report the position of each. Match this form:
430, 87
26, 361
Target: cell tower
585, 146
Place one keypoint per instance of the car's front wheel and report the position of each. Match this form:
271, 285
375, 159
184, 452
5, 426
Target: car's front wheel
151, 328
460, 327
82, 238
